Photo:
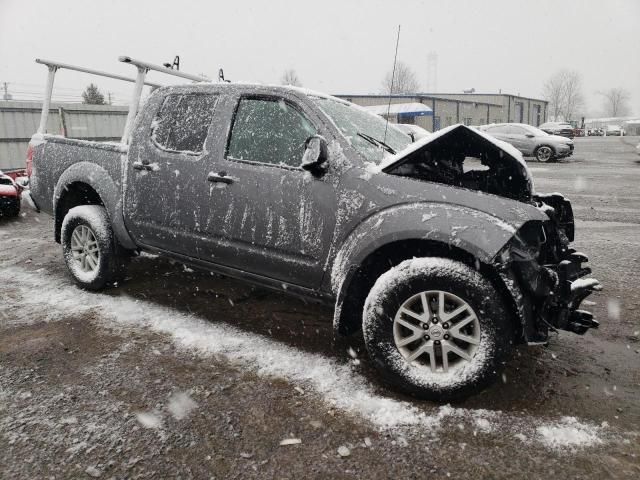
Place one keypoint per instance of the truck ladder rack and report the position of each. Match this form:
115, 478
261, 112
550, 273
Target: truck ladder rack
54, 67
139, 81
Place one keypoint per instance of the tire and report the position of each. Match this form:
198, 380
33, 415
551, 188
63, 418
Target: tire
544, 153
91, 252
385, 332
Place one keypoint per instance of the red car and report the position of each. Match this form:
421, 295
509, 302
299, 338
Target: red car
9, 196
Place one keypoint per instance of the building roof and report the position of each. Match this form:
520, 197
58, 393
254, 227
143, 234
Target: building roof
441, 96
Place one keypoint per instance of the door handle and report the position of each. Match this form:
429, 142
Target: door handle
220, 177
142, 166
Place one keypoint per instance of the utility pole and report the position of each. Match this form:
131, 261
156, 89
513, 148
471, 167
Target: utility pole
109, 97
7, 95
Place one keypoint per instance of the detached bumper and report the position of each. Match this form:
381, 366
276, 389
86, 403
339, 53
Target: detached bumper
548, 297
573, 288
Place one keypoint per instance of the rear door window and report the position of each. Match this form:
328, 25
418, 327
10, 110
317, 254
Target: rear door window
267, 130
182, 122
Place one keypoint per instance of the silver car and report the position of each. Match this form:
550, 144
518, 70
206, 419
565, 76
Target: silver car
531, 141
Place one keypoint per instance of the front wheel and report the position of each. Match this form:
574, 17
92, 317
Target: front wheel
543, 153
92, 254
436, 328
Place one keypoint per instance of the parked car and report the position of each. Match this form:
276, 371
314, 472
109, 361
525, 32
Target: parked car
613, 131
531, 141
416, 132
441, 268
9, 196
563, 129
595, 132
638, 149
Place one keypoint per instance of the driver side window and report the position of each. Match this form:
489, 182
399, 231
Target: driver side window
269, 131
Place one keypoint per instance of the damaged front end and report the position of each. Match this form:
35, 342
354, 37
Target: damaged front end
546, 277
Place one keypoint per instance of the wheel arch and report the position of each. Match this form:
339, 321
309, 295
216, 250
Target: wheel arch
86, 183
360, 279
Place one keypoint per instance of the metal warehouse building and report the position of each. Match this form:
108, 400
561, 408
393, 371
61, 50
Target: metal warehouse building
19, 120
434, 111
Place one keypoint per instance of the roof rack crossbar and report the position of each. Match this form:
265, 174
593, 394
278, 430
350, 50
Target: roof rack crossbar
159, 68
91, 71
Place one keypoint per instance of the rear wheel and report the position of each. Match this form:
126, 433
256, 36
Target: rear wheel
92, 253
436, 328
543, 153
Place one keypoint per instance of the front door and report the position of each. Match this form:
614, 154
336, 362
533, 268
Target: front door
517, 136
268, 216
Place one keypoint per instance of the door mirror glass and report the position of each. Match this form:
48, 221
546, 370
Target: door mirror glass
316, 155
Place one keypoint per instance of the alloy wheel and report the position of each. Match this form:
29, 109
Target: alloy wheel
436, 329
85, 249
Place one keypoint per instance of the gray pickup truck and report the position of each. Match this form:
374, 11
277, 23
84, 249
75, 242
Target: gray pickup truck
438, 251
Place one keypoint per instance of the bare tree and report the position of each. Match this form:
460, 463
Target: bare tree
616, 101
290, 77
563, 91
404, 80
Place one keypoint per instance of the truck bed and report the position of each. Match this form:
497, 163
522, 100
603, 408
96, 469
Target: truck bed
54, 154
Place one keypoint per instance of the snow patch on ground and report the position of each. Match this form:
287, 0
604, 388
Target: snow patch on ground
339, 384
569, 432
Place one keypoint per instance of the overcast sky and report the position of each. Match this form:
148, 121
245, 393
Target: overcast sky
337, 46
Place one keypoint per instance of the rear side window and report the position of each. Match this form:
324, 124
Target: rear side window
269, 131
182, 122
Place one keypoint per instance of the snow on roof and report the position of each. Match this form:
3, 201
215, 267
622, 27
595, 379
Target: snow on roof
408, 109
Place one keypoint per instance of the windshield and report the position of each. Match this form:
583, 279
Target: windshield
356, 125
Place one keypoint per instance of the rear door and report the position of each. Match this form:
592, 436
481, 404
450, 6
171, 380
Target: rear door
268, 216
166, 187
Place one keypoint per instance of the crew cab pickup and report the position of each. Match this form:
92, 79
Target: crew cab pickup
439, 251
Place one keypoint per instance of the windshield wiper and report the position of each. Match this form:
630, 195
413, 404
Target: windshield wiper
377, 143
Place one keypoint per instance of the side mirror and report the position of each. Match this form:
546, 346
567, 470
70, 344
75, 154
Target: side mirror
316, 155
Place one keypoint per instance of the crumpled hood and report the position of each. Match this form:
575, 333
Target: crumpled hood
512, 175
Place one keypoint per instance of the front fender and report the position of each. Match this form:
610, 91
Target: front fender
109, 191
478, 233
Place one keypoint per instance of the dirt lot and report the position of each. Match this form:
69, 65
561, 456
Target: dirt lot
181, 374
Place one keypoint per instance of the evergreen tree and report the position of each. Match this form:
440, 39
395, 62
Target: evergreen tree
92, 95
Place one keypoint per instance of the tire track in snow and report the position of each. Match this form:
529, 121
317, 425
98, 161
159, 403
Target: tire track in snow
51, 296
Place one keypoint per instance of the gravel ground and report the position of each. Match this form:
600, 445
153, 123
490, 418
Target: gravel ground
180, 374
